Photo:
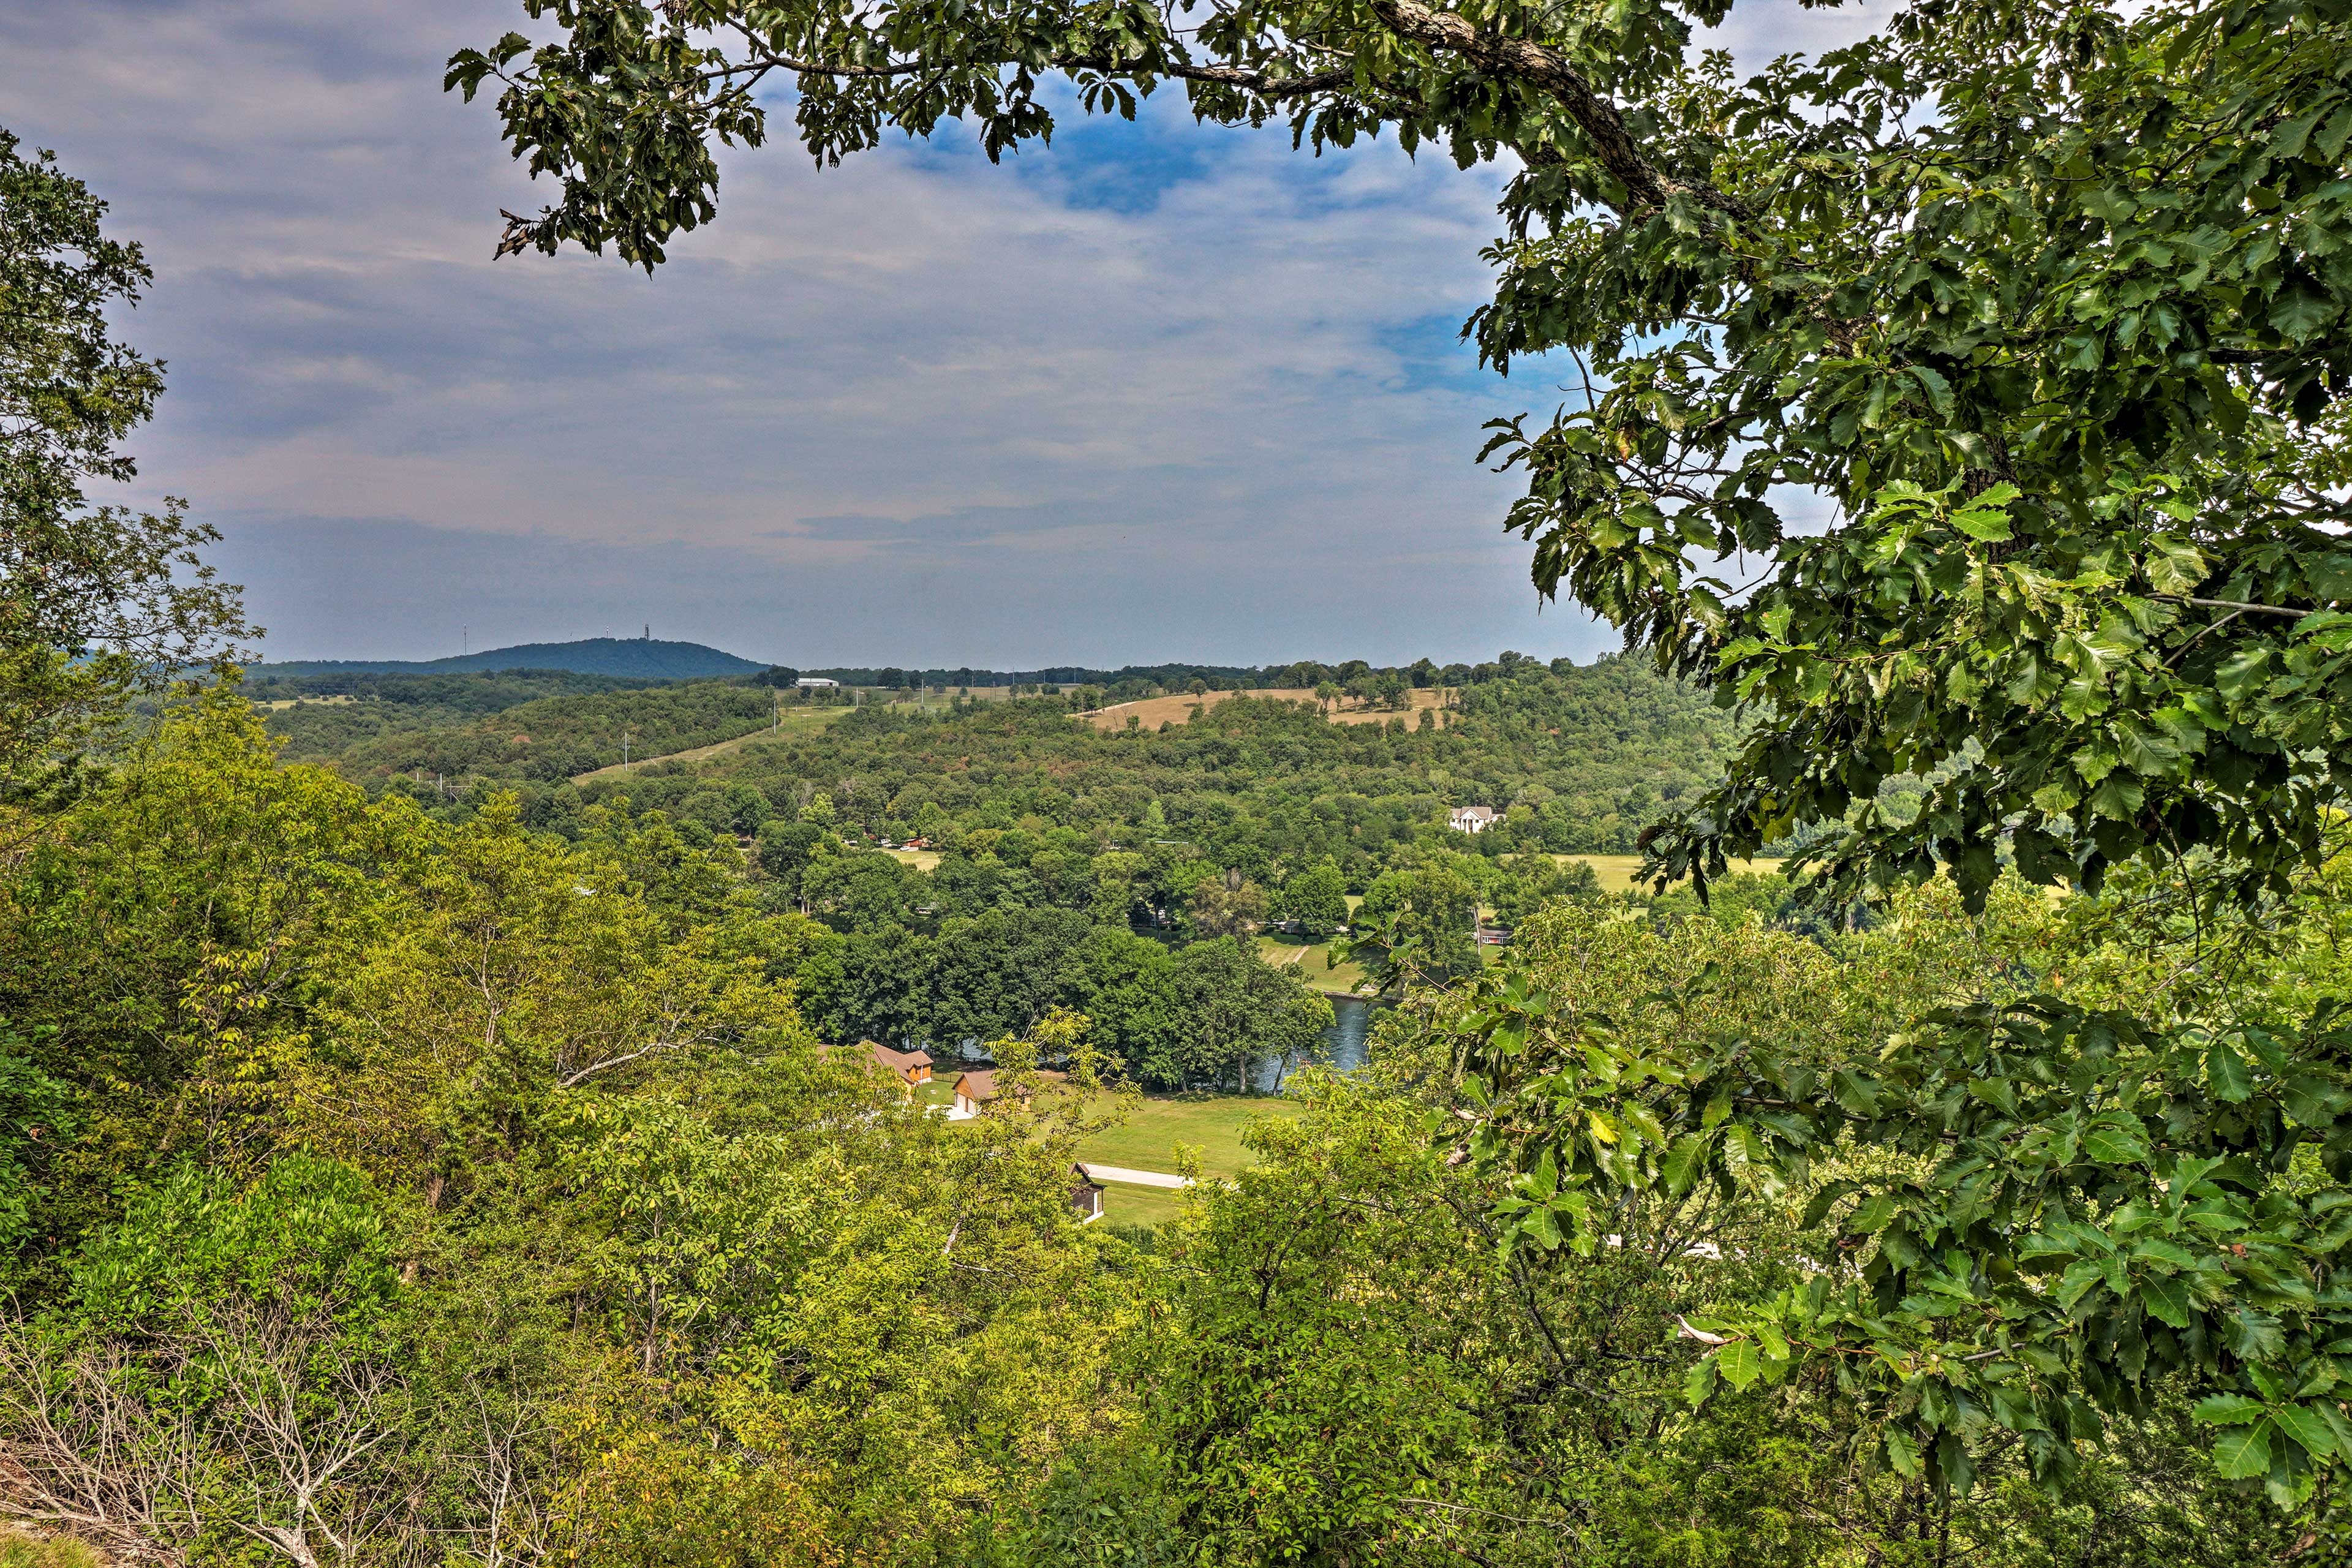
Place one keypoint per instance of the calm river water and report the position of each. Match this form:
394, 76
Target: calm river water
1343, 1042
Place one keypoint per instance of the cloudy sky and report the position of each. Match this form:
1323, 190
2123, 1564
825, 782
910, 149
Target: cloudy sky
1158, 392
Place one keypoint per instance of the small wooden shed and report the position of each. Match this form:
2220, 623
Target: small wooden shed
1086, 1197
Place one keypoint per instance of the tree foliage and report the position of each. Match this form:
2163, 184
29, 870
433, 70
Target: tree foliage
2042, 301
96, 598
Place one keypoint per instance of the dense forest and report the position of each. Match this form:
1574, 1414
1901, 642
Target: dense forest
1104, 871
1576, 756
442, 729
496, 1178
481, 1171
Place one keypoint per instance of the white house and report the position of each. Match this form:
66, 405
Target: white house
1472, 818
814, 682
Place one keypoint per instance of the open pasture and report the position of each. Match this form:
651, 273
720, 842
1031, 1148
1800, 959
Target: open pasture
789, 721
1177, 707
1126, 1204
1311, 960
1211, 1123
331, 699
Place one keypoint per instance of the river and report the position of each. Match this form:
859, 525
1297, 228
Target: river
1343, 1043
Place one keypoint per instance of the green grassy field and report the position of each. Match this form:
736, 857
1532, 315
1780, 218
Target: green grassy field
792, 720
1211, 1124
1617, 872
1310, 959
1147, 1139
1124, 1205
923, 861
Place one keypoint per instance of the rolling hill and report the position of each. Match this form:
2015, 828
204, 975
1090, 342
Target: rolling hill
640, 659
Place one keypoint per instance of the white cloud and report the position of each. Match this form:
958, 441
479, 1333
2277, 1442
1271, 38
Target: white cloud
1208, 420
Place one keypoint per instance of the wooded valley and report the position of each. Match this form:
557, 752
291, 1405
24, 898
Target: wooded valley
430, 1138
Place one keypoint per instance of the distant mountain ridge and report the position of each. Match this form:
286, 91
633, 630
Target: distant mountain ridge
643, 658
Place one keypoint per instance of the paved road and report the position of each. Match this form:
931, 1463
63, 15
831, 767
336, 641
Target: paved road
1133, 1178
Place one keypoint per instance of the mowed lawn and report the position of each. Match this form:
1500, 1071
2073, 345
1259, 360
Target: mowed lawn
1617, 872
1125, 1204
1210, 1123
1310, 959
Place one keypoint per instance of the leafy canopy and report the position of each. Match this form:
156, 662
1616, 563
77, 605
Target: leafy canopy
2041, 305
95, 598
2040, 301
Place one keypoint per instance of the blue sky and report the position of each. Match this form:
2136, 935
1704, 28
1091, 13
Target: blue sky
1158, 392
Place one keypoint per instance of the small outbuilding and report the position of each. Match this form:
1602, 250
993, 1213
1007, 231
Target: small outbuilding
1086, 1197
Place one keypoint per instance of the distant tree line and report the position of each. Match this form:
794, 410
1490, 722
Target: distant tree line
1131, 682
1199, 1015
429, 727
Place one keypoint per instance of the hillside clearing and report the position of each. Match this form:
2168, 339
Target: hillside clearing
1176, 707
791, 721
1153, 1206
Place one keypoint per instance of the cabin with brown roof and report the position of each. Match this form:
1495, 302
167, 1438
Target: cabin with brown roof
910, 1067
977, 1088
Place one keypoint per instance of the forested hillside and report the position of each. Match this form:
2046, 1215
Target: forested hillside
426, 728
632, 658
1577, 757
433, 698
487, 1172
323, 716
1052, 843
511, 1168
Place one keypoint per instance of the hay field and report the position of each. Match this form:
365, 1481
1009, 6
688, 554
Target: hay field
1210, 1124
792, 719
1174, 709
339, 699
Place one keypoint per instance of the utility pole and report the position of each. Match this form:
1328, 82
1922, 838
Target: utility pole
624, 749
